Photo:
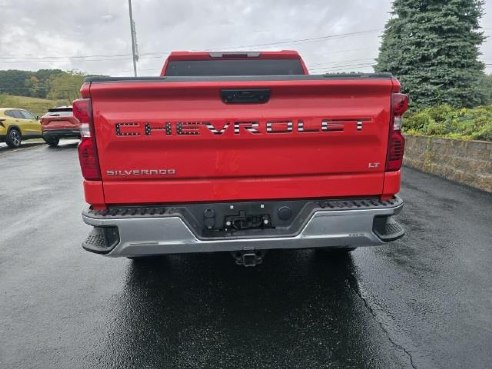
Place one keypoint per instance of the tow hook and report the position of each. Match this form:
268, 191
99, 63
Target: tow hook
248, 257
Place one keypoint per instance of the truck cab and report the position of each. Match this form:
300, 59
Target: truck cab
193, 63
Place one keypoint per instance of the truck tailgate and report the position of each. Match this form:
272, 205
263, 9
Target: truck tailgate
166, 140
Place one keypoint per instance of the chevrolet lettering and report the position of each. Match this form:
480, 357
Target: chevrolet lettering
191, 128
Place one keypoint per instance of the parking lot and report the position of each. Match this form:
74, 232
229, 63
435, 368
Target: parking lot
424, 301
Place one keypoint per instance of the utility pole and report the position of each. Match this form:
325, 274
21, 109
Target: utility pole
134, 39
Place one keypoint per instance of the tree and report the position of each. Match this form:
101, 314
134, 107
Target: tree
65, 86
432, 47
32, 86
26, 83
44, 76
486, 87
12, 82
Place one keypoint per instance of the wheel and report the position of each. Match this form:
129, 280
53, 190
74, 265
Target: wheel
144, 258
13, 138
52, 141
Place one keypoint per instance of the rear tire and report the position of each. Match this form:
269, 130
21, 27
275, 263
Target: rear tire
337, 250
143, 258
14, 138
148, 261
51, 141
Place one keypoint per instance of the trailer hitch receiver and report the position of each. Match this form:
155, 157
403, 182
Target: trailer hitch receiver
248, 258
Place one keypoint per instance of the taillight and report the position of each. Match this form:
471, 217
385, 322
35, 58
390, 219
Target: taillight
81, 109
396, 142
89, 162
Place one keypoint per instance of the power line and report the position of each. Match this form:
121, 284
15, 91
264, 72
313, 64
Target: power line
321, 65
294, 41
31, 57
321, 38
55, 61
340, 61
348, 67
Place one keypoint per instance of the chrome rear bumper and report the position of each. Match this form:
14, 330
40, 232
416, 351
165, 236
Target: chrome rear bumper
341, 226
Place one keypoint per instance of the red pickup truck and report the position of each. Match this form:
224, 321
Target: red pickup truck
240, 152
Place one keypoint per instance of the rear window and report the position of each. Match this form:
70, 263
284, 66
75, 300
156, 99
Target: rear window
59, 112
250, 67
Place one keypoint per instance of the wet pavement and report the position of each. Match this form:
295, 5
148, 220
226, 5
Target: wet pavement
424, 302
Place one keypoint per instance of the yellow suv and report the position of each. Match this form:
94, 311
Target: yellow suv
17, 125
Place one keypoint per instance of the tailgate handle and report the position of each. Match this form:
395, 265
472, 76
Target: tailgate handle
249, 96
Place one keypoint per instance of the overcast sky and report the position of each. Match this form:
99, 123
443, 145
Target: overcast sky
93, 36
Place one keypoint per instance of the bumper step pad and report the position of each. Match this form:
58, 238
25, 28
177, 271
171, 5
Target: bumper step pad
388, 229
101, 239
159, 211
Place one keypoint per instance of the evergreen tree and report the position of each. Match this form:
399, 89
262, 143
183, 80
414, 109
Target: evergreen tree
432, 47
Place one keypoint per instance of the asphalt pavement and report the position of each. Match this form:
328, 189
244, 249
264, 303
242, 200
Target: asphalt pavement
424, 301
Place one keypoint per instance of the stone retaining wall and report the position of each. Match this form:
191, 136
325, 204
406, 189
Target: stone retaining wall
467, 162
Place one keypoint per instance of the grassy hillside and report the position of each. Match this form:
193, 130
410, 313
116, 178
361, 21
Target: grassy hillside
35, 105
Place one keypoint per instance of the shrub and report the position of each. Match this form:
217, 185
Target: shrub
445, 121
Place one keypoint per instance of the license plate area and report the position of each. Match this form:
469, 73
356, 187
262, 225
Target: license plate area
244, 221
